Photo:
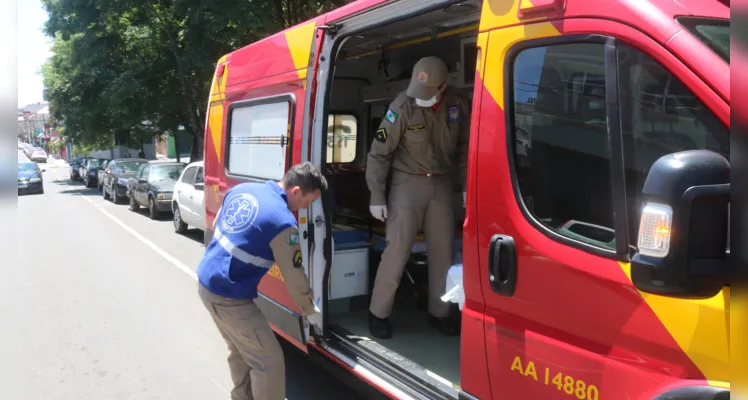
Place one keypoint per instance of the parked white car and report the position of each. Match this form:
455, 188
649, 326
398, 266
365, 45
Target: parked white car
38, 155
188, 201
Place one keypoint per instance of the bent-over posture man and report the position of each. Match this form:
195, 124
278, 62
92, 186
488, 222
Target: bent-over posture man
256, 228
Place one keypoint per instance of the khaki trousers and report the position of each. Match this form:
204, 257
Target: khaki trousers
416, 201
255, 356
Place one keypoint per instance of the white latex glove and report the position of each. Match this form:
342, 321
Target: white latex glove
315, 319
464, 199
378, 212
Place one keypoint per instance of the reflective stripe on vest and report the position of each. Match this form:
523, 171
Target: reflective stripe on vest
240, 254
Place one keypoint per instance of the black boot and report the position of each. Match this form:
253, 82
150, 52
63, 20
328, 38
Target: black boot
449, 326
380, 328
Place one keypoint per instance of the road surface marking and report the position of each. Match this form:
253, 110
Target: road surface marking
221, 387
153, 247
145, 241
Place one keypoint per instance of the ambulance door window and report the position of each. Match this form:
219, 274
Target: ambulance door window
561, 157
659, 116
258, 138
342, 131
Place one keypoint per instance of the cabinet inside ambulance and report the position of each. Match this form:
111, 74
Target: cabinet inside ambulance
371, 68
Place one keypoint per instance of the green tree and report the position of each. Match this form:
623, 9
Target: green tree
137, 68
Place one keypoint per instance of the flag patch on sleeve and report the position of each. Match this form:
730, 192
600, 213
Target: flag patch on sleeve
391, 116
454, 114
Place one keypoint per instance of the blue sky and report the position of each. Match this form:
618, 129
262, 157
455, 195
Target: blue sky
33, 51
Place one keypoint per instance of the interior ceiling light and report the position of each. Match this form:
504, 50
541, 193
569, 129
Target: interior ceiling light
460, 8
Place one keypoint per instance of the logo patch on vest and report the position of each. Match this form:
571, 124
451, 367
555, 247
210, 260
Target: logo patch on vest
381, 135
416, 128
391, 116
454, 114
241, 211
293, 239
298, 262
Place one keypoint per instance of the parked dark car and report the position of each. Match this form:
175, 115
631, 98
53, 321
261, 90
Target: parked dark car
29, 178
89, 172
153, 187
75, 168
116, 175
101, 171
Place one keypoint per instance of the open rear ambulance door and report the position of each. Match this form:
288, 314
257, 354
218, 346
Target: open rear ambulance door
274, 300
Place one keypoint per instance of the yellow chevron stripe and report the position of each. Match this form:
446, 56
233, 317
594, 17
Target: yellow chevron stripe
700, 327
299, 41
215, 110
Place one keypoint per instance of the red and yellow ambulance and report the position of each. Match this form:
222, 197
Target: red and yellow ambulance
594, 237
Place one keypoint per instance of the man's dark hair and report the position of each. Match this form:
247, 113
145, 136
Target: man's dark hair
306, 176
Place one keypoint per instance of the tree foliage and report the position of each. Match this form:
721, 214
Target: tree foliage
135, 68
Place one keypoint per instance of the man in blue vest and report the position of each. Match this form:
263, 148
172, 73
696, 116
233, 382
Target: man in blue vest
254, 229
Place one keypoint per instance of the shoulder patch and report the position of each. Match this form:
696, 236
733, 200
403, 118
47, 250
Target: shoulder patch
454, 113
298, 262
381, 135
293, 239
391, 116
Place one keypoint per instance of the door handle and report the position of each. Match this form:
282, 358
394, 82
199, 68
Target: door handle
502, 265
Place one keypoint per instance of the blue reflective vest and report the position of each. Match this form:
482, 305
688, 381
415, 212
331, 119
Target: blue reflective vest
239, 255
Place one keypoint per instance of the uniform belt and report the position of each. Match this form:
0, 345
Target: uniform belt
431, 174
420, 174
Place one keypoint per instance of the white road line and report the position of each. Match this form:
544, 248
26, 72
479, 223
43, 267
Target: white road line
226, 392
145, 241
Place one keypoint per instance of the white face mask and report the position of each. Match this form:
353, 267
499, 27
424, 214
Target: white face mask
427, 103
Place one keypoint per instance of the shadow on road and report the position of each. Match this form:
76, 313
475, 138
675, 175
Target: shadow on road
305, 381
194, 234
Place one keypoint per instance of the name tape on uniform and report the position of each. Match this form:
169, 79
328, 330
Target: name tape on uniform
416, 128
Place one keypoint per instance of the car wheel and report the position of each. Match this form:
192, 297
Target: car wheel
115, 198
85, 182
103, 192
134, 206
152, 211
179, 225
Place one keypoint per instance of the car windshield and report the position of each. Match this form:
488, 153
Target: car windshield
128, 166
166, 172
713, 32
93, 164
27, 166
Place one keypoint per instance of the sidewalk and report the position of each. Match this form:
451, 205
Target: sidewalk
55, 163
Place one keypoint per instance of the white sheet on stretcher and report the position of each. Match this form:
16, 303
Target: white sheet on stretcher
454, 290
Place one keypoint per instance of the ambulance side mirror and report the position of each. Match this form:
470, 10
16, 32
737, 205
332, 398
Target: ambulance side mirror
682, 246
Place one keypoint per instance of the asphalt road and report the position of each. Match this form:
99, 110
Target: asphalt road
102, 305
